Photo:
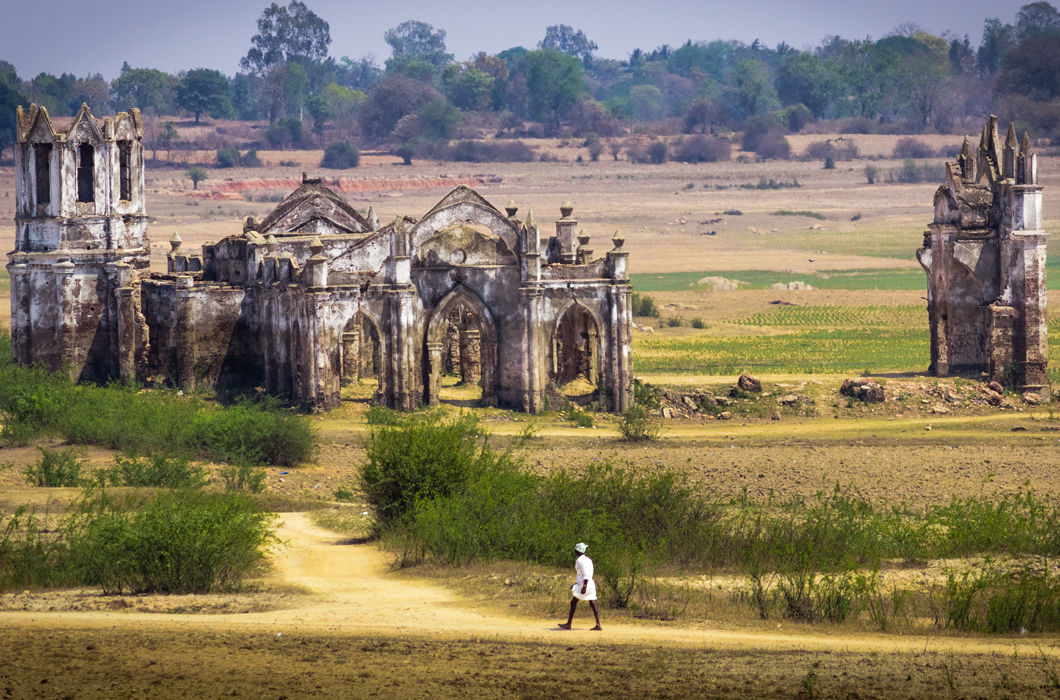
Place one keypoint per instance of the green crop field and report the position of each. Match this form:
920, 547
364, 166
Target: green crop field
902, 279
805, 340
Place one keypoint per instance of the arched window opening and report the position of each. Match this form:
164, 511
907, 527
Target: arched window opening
42, 164
86, 173
575, 367
125, 169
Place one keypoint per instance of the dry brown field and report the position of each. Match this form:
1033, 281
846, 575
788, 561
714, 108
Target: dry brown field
336, 620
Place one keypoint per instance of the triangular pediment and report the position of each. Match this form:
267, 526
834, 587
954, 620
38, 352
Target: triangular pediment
462, 195
41, 130
313, 208
85, 129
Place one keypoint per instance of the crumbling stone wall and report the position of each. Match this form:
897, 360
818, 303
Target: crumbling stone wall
985, 256
294, 302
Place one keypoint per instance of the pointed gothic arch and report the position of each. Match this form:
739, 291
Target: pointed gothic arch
361, 351
576, 346
478, 344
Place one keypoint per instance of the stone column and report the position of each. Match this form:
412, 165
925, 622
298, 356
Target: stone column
470, 357
434, 372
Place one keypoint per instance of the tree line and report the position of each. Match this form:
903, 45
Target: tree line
909, 81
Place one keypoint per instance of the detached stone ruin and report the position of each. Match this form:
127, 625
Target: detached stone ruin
984, 256
310, 296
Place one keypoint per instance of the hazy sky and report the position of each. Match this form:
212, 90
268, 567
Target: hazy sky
81, 36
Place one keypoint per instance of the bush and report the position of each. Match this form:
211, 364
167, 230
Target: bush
177, 542
580, 418
157, 471
35, 402
250, 159
657, 152
872, 173
489, 152
908, 147
427, 457
244, 478
643, 305
773, 145
637, 424
340, 156
227, 157
62, 468
836, 149
912, 172
196, 174
405, 153
702, 149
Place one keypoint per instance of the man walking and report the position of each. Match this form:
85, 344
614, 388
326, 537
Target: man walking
584, 587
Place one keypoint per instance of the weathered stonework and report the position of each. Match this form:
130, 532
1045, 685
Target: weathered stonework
311, 295
985, 261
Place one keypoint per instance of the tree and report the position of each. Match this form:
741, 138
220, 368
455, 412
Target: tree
1037, 19
467, 87
554, 81
418, 40
752, 89
647, 102
205, 90
1032, 69
10, 99
440, 119
291, 33
997, 39
392, 99
149, 89
573, 43
196, 174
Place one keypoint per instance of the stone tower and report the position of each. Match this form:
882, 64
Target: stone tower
984, 255
80, 243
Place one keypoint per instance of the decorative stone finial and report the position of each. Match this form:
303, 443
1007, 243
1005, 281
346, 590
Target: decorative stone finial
618, 239
1026, 147
316, 246
511, 209
373, 220
1010, 139
270, 243
529, 218
566, 209
583, 239
175, 242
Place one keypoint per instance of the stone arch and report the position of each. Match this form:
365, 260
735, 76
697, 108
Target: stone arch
478, 344
472, 213
361, 350
576, 346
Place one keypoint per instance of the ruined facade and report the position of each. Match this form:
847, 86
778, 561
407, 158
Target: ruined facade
312, 295
984, 255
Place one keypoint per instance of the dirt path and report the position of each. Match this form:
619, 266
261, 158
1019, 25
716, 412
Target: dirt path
349, 590
356, 629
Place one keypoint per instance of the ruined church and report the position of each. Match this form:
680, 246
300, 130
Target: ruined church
984, 256
310, 296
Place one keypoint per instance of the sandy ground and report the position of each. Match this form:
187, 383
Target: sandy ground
358, 629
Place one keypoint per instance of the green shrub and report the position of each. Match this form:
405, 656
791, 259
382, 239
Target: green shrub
244, 477
30, 553
154, 471
341, 155
177, 542
35, 402
428, 456
580, 418
637, 424
657, 152
228, 157
647, 395
698, 323
643, 305
381, 415
56, 468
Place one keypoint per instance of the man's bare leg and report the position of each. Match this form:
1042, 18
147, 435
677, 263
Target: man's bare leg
570, 617
596, 614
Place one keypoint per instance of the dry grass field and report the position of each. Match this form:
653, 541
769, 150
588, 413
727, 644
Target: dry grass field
311, 631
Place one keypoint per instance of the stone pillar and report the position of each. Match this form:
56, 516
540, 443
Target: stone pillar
185, 333
470, 357
66, 352
434, 372
351, 354
1002, 322
535, 352
21, 323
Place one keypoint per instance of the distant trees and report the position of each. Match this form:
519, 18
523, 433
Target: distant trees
569, 41
10, 99
205, 90
413, 41
289, 33
554, 81
151, 90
